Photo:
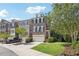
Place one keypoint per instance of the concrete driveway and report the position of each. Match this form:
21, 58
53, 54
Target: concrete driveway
25, 49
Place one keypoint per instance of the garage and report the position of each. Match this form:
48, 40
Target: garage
38, 38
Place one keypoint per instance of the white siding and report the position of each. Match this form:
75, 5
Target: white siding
34, 28
42, 19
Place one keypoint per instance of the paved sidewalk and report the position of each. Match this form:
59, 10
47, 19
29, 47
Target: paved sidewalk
25, 49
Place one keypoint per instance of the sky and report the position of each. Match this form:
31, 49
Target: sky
22, 11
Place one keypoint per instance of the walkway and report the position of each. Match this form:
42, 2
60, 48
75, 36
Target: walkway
25, 49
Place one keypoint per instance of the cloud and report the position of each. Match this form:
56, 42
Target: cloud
35, 9
3, 13
15, 18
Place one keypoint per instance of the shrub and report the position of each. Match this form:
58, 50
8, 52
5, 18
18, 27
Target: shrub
76, 45
68, 38
29, 39
51, 39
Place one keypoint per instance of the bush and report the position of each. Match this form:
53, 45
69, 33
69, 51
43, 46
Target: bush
51, 39
68, 39
29, 39
76, 45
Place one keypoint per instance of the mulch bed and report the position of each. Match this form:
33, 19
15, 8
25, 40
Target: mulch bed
70, 51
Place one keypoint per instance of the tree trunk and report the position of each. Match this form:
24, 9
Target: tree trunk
64, 38
74, 36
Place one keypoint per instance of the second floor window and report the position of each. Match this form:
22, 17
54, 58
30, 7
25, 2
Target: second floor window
39, 20
38, 29
36, 21
42, 28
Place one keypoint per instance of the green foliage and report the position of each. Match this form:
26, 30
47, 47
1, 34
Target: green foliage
65, 19
29, 39
20, 31
75, 44
4, 35
68, 38
52, 39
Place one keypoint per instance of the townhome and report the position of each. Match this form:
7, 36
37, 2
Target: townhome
7, 27
39, 29
4, 26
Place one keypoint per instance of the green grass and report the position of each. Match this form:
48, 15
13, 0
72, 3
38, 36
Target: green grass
50, 48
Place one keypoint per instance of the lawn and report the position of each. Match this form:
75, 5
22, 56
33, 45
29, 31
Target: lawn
50, 48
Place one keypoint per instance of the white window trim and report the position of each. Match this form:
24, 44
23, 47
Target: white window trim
37, 28
34, 28
42, 19
42, 28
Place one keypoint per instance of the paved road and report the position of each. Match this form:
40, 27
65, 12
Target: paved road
6, 52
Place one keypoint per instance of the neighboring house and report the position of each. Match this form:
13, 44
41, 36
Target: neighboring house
4, 26
7, 27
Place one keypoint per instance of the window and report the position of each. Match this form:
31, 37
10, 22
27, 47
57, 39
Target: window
36, 21
12, 31
37, 28
40, 29
39, 20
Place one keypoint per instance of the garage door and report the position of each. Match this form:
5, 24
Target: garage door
38, 38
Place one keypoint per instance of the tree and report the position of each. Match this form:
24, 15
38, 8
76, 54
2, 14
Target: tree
65, 19
4, 36
20, 31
